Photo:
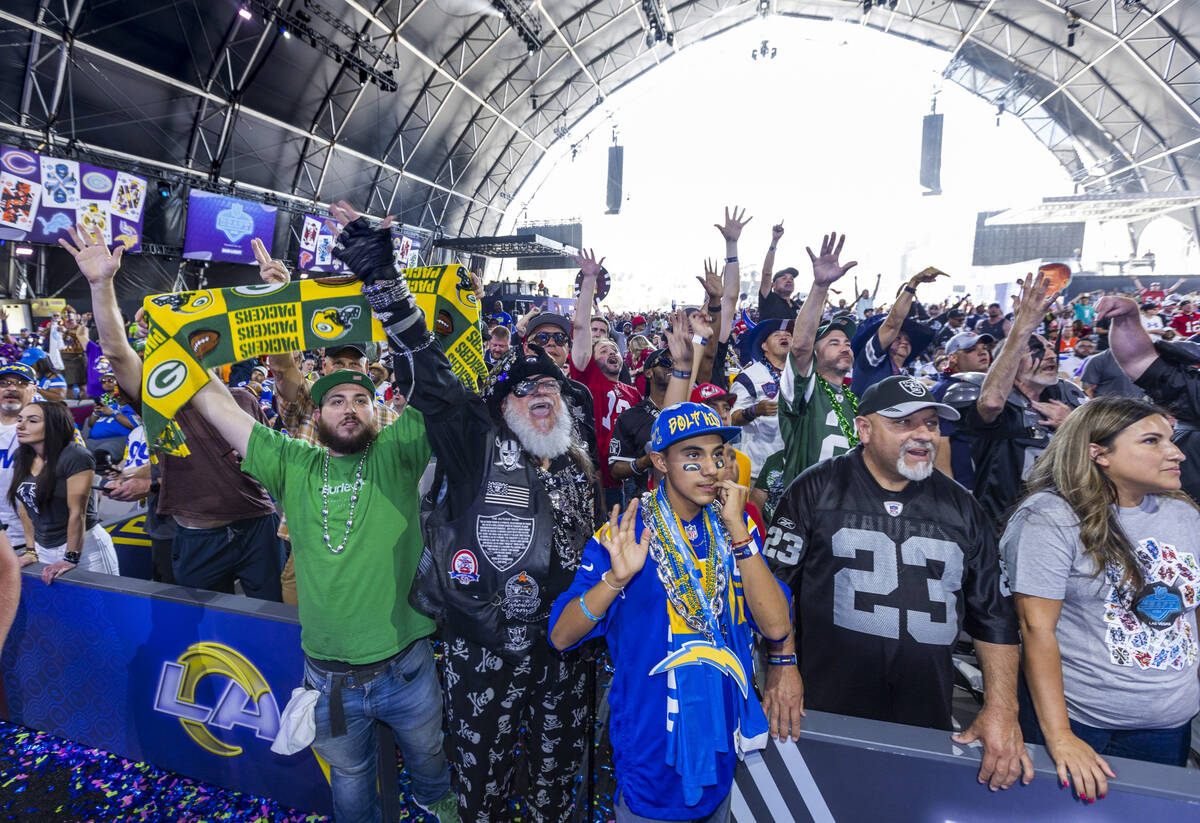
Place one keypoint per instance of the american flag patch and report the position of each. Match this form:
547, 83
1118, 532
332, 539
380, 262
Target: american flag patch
505, 494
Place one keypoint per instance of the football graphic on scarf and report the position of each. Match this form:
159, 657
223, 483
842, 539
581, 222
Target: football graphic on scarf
203, 341
444, 324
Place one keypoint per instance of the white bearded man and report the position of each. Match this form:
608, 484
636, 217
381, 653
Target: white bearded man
511, 510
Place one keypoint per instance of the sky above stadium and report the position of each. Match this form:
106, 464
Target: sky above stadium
826, 136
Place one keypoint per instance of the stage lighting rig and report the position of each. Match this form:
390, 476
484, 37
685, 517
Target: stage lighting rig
299, 24
764, 8
657, 29
523, 22
1073, 25
766, 50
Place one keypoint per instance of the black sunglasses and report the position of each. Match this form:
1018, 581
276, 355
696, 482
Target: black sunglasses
542, 338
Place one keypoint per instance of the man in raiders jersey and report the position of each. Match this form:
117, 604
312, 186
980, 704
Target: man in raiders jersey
888, 560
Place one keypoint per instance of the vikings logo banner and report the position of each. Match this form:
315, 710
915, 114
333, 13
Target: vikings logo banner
191, 332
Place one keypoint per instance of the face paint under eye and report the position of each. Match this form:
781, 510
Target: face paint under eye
691, 467
720, 463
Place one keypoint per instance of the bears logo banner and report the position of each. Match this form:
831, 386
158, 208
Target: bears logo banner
192, 332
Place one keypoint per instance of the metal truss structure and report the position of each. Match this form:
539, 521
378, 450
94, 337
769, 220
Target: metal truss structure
192, 90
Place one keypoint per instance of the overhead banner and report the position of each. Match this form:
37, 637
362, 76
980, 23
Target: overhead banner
190, 332
42, 196
316, 248
220, 227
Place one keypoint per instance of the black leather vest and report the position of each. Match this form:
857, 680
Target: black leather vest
491, 575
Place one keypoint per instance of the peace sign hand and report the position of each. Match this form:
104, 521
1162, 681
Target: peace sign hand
271, 271
626, 554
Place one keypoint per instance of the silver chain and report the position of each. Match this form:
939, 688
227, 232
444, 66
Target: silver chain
358, 481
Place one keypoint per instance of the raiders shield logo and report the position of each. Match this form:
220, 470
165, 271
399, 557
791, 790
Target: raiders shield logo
893, 508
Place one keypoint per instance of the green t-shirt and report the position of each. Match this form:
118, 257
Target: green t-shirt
808, 422
353, 605
770, 480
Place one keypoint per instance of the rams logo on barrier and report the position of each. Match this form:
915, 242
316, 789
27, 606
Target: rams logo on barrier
245, 701
334, 323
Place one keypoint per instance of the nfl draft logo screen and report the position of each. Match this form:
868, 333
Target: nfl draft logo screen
243, 696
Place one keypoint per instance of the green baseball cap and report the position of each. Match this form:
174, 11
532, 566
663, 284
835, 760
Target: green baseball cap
843, 323
338, 378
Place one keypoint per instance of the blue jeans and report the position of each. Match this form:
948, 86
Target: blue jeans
1167, 746
407, 698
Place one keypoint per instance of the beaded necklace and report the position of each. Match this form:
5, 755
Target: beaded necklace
698, 598
845, 425
358, 483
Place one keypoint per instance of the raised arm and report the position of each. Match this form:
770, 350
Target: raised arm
827, 269
224, 414
878, 278
98, 266
287, 374
768, 266
679, 341
899, 312
1177, 284
1130, 342
1000, 377
581, 326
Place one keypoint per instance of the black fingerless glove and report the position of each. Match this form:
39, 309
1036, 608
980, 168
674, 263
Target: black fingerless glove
396, 309
366, 251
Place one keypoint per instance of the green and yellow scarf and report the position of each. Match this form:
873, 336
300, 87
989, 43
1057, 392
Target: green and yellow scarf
194, 331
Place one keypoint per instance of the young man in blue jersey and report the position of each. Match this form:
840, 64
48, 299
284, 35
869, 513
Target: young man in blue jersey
679, 630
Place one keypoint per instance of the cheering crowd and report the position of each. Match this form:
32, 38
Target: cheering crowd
811, 501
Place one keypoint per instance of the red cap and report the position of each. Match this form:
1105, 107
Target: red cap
710, 391
637, 320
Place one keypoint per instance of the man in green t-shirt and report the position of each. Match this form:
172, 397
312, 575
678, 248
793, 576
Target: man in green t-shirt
353, 511
816, 412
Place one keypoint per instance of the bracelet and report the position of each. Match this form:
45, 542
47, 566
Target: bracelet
699, 341
770, 248
587, 613
731, 259
781, 659
748, 415
71, 557
745, 549
714, 309
604, 580
682, 375
910, 289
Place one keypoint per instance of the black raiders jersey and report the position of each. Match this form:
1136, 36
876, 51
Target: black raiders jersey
882, 584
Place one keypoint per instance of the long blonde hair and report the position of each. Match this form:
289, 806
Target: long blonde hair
1067, 469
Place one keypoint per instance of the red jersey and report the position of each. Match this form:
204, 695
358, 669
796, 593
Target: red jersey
609, 399
1152, 295
1186, 324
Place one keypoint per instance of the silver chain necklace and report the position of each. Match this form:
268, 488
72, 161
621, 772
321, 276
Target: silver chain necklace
358, 481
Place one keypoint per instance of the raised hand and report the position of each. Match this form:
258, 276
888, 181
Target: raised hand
588, 264
1113, 307
271, 271
776, 232
827, 269
711, 281
701, 323
926, 275
734, 224
344, 214
1032, 303
626, 554
91, 254
679, 339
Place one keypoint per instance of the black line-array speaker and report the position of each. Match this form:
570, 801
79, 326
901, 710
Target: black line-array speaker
931, 153
616, 166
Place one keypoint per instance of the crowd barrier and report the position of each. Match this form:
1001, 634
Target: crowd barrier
193, 681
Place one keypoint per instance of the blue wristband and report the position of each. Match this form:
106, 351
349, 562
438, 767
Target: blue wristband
587, 613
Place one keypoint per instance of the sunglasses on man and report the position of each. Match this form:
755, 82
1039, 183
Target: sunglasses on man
545, 385
544, 337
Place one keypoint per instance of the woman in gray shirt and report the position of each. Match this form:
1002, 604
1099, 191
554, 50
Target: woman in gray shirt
1103, 556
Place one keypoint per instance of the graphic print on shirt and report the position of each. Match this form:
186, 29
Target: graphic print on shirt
1149, 628
27, 494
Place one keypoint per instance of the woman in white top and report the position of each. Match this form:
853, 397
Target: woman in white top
1103, 557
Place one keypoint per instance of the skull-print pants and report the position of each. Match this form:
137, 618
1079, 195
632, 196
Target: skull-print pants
501, 716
